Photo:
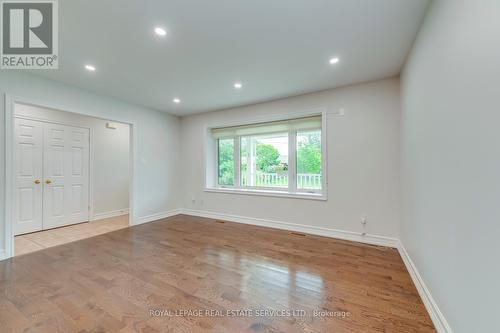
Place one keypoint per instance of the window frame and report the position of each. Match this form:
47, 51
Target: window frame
281, 189
217, 162
291, 191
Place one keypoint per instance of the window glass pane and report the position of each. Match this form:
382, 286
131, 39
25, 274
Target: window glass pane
226, 161
264, 160
309, 160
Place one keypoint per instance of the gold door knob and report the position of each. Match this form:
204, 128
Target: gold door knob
37, 181
48, 181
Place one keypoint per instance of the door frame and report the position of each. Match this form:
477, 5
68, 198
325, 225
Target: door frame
91, 156
10, 102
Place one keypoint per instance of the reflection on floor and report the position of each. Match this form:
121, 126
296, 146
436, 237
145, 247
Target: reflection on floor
192, 274
43, 239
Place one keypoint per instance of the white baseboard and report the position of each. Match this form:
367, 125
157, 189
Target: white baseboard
157, 216
107, 215
319, 231
436, 315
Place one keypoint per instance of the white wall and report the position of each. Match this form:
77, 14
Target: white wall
157, 138
362, 161
110, 151
451, 160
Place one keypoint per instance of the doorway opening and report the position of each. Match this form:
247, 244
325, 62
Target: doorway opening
71, 177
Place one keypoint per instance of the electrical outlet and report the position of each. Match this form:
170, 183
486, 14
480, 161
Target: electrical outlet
364, 221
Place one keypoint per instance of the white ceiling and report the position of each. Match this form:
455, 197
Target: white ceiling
276, 48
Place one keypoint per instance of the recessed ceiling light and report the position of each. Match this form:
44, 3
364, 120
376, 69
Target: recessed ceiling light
334, 60
90, 68
176, 100
238, 85
160, 31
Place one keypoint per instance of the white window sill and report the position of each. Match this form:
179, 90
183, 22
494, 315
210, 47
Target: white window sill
268, 193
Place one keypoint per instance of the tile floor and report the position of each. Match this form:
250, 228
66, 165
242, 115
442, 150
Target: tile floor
43, 239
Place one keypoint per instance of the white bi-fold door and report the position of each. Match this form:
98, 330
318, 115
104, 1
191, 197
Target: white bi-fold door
52, 175
28, 159
66, 175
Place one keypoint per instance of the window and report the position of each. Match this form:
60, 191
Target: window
225, 158
264, 160
309, 160
283, 157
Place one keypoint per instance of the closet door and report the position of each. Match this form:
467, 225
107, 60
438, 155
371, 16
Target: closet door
28, 147
66, 175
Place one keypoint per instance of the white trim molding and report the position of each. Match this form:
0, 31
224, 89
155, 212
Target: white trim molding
313, 230
107, 215
430, 304
268, 193
10, 101
157, 216
210, 148
436, 315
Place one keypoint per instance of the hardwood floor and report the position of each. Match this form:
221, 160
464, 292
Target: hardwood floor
146, 279
47, 238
